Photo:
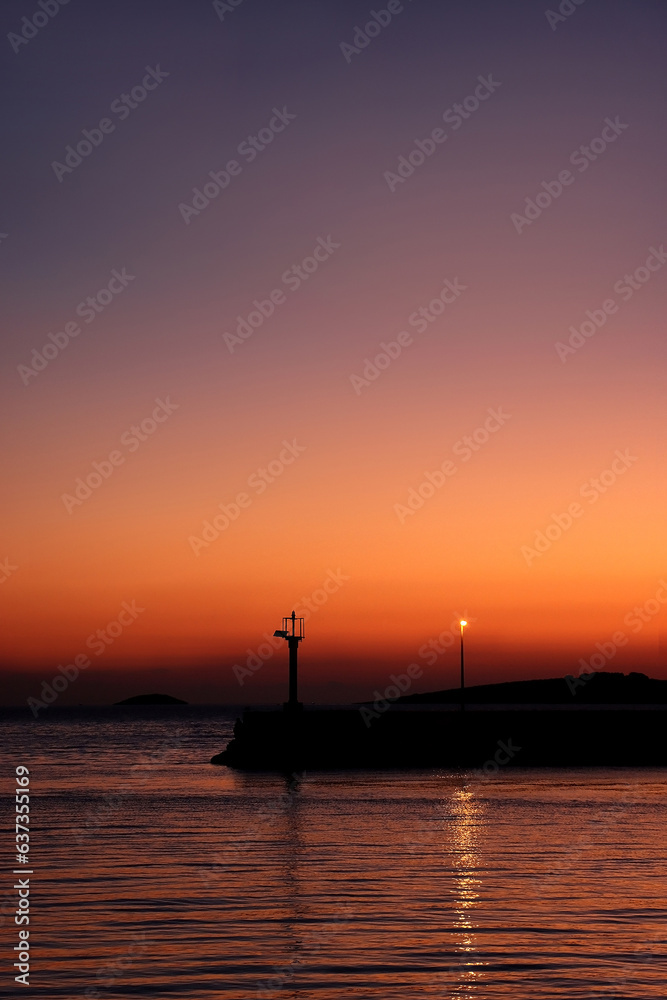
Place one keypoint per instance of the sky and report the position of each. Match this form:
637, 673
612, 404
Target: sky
334, 308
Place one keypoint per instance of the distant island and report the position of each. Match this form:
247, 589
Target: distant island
151, 699
601, 688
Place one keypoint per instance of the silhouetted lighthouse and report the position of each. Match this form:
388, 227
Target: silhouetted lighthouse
292, 630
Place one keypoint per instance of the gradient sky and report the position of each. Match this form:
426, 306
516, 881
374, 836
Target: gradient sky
340, 506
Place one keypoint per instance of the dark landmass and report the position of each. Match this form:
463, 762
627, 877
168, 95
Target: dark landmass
591, 689
151, 699
606, 720
482, 738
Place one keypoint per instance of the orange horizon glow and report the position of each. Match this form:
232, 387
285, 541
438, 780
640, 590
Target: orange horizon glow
460, 465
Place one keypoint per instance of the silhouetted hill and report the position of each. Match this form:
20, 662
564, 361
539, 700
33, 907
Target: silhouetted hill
590, 689
151, 699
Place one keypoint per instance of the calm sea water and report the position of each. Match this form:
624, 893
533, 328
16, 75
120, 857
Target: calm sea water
159, 875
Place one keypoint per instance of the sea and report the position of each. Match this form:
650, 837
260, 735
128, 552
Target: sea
156, 874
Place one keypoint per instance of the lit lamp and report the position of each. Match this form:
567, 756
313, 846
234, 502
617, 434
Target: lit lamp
462, 624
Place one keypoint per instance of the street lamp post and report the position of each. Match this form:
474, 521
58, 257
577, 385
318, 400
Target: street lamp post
462, 624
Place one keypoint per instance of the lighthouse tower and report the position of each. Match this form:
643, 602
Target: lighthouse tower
293, 632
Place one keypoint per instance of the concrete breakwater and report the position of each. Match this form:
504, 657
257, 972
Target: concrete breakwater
485, 737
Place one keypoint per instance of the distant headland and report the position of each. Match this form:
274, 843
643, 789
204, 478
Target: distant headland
600, 688
151, 699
